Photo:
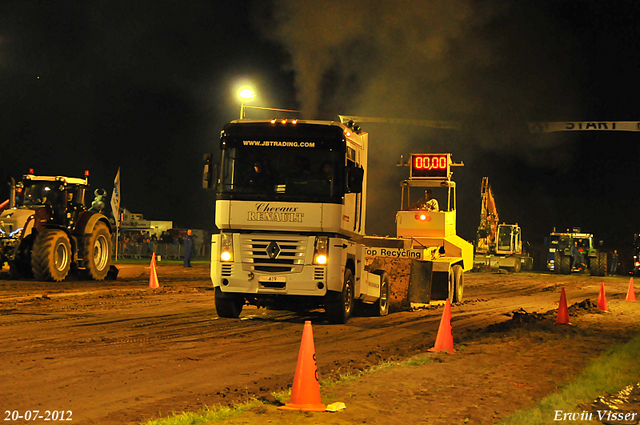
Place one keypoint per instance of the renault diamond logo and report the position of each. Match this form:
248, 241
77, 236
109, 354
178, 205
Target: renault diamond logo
273, 250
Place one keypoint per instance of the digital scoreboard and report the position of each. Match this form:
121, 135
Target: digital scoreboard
430, 165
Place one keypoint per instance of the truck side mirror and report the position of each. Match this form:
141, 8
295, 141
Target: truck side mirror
210, 174
355, 175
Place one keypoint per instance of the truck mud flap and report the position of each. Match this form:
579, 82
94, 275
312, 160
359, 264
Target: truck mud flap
440, 286
420, 282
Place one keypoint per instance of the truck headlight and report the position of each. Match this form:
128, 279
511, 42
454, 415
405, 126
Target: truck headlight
321, 251
226, 247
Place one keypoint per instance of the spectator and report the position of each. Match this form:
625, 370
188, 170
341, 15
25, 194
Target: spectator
188, 246
578, 258
615, 259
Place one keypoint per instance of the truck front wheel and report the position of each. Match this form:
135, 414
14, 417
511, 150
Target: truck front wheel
51, 256
228, 305
338, 305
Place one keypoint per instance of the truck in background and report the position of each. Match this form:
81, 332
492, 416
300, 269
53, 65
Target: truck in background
559, 257
439, 273
498, 245
291, 207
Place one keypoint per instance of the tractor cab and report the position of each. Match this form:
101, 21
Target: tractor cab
62, 198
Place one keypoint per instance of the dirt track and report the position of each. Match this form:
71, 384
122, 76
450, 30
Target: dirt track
117, 352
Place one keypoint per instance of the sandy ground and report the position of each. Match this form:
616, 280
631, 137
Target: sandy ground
117, 352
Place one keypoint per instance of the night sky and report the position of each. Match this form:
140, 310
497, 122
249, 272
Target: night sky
148, 85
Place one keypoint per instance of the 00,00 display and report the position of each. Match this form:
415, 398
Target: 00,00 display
429, 165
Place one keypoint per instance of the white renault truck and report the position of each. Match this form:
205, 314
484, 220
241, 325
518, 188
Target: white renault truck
291, 207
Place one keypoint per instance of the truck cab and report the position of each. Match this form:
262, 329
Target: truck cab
290, 206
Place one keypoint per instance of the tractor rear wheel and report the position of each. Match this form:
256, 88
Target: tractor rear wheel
97, 252
51, 255
598, 264
562, 263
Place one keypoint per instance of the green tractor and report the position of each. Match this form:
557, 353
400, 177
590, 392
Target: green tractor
48, 231
561, 256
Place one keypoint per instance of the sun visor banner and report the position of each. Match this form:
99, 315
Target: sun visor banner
553, 126
279, 143
287, 144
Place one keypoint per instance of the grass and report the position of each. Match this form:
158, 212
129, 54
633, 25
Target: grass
206, 415
220, 413
614, 370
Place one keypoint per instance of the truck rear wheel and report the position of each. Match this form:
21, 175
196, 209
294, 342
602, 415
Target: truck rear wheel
458, 283
227, 305
51, 256
382, 305
97, 252
338, 305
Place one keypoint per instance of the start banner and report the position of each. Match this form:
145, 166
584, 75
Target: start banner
552, 126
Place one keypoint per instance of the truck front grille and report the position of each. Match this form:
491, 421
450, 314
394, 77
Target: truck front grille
273, 254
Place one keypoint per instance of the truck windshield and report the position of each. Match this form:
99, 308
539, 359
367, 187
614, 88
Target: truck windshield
250, 172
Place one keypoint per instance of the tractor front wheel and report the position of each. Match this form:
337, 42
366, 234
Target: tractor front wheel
51, 255
20, 266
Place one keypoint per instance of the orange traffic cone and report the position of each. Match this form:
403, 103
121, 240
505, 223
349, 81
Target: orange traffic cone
153, 276
631, 293
563, 311
602, 298
305, 392
444, 339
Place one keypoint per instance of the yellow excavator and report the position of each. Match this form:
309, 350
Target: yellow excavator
498, 245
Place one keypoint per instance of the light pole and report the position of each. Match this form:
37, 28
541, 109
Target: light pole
245, 94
